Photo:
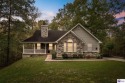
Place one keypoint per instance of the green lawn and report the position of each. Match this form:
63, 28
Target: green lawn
36, 70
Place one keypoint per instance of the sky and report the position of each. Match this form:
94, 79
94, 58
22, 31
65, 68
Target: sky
120, 16
49, 8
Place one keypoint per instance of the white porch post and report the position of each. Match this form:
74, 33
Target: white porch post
45, 48
34, 48
23, 48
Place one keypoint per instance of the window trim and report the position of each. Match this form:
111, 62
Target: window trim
73, 46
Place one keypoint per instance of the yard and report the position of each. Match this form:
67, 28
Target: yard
36, 70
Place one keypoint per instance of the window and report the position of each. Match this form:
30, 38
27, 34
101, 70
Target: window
75, 47
70, 46
89, 47
64, 47
50, 46
38, 45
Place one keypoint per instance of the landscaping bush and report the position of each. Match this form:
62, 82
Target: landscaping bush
87, 56
106, 55
75, 56
64, 56
80, 55
53, 54
99, 56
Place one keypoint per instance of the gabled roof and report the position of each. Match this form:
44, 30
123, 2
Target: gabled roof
84, 29
53, 35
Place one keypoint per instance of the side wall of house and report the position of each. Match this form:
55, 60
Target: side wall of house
87, 38
60, 45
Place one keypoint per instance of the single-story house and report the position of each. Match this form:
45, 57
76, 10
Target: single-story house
77, 40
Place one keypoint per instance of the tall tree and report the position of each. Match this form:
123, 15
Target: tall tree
96, 15
13, 13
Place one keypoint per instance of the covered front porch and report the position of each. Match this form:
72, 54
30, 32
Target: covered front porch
38, 48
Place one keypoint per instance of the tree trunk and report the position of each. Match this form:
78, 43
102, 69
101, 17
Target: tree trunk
9, 25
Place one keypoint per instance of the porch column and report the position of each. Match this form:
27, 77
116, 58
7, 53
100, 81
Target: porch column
34, 48
45, 48
55, 46
23, 48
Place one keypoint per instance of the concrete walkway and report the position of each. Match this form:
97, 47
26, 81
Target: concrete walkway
115, 59
49, 58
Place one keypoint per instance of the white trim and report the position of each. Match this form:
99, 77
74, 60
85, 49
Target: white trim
83, 28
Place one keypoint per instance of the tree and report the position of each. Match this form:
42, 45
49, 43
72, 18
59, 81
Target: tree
13, 13
96, 15
42, 22
120, 40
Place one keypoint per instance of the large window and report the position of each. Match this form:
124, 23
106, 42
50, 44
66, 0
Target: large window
70, 46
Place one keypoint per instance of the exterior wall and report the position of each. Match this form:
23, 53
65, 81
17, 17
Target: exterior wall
60, 45
87, 38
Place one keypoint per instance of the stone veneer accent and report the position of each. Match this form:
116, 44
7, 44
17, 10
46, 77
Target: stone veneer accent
44, 31
60, 45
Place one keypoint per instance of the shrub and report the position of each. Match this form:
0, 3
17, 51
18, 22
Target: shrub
75, 56
53, 54
65, 56
87, 56
80, 55
99, 56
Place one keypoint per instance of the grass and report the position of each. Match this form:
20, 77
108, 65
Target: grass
36, 70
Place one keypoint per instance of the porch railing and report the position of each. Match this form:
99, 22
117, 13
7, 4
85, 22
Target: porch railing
34, 51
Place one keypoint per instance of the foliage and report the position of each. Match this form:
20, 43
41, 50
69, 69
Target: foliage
98, 16
36, 70
119, 41
53, 52
108, 48
42, 22
17, 18
95, 15
81, 55
64, 56
75, 56
99, 56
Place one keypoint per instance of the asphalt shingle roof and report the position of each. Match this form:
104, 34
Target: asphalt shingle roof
53, 35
